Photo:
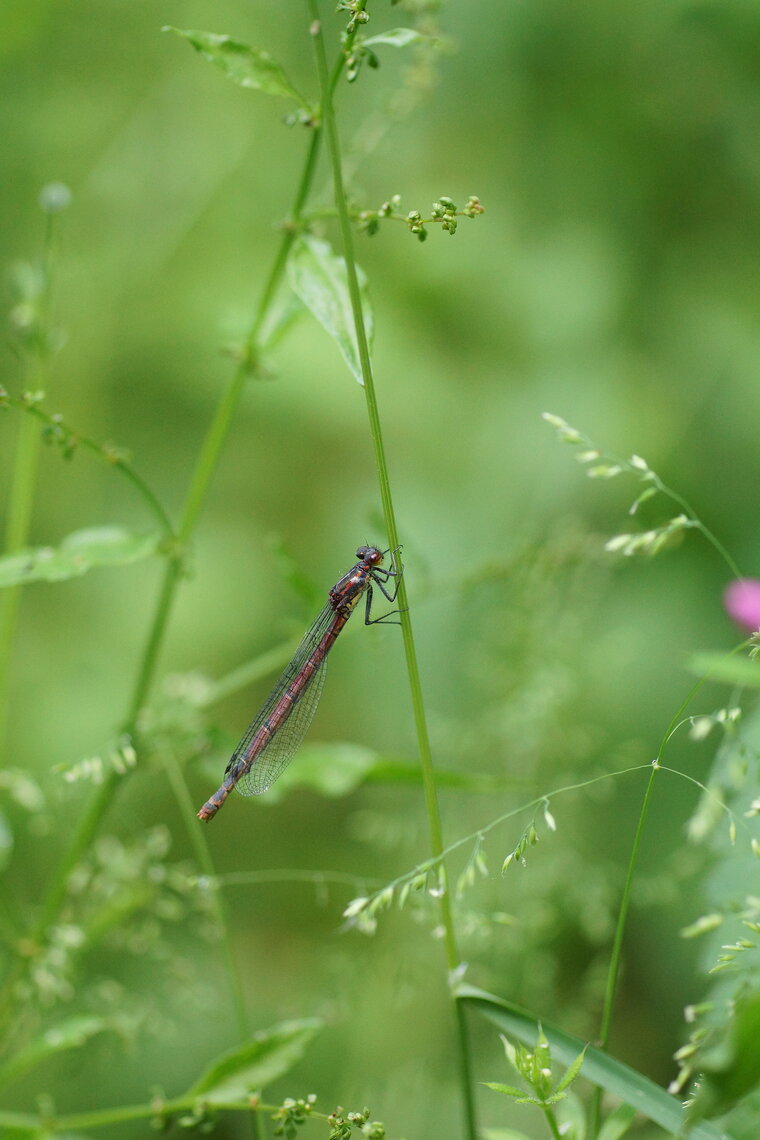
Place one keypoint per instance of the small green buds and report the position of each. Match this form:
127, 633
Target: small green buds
473, 207
443, 212
358, 15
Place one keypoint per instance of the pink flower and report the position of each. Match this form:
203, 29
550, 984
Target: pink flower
742, 601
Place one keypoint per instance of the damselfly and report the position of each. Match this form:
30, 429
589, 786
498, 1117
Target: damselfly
272, 738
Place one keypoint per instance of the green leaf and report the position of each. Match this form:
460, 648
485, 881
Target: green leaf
396, 37
732, 1069
725, 668
72, 1033
244, 65
503, 1134
79, 552
333, 770
572, 1072
282, 317
508, 1090
617, 1123
571, 1117
252, 1067
599, 1068
318, 277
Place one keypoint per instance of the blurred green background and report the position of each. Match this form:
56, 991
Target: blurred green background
613, 281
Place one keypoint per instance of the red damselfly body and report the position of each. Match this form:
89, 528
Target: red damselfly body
274, 735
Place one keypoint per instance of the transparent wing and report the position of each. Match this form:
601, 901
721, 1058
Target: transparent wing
257, 761
272, 761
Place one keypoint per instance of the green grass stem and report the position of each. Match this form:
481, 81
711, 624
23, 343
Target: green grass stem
23, 483
423, 740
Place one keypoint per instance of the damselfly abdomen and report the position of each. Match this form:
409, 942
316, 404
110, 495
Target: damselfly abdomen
275, 734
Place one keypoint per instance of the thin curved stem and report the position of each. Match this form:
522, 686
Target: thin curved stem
617, 944
68, 435
423, 739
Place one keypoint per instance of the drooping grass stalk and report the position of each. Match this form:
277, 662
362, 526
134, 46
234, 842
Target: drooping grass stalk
423, 740
613, 970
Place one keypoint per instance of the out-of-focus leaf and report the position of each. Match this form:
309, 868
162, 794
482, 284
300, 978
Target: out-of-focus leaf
617, 1123
396, 37
318, 277
339, 768
79, 552
571, 1117
504, 1134
333, 770
282, 320
732, 1068
298, 578
257, 1064
72, 1033
244, 65
731, 670
599, 1068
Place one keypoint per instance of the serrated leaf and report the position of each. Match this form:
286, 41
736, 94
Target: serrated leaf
396, 37
72, 1033
508, 1090
572, 1072
253, 1066
602, 1070
318, 276
244, 65
79, 552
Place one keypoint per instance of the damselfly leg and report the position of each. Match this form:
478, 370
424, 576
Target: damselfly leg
382, 578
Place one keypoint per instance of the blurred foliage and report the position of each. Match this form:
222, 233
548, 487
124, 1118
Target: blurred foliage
611, 280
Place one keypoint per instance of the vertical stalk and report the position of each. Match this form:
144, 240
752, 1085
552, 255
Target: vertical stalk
613, 970
20, 503
101, 798
24, 478
418, 708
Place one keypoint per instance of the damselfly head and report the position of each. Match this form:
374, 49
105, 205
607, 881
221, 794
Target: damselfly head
370, 554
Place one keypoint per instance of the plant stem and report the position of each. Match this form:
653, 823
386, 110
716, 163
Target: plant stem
711, 538
617, 946
101, 798
551, 1120
16, 534
205, 862
24, 477
56, 424
423, 740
